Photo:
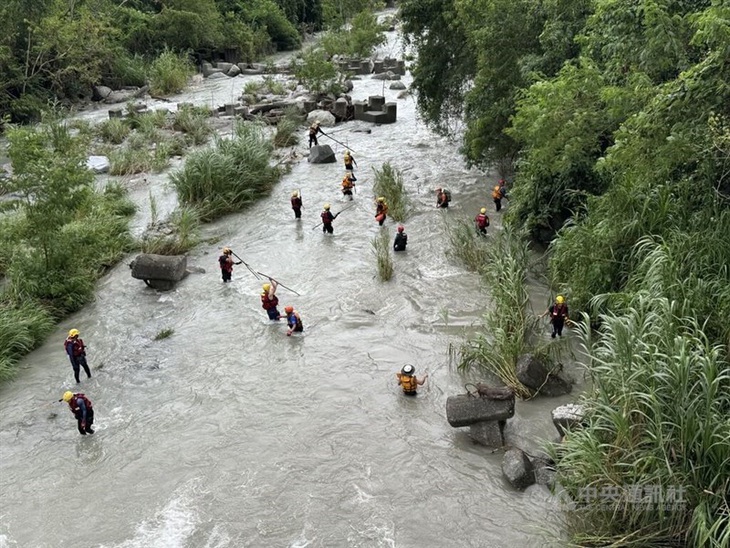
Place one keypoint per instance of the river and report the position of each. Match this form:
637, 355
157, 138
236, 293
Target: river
230, 434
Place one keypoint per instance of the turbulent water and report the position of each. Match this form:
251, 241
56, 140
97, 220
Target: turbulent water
230, 434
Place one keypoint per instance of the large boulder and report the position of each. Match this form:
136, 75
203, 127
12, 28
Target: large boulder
568, 417
101, 93
234, 71
159, 268
324, 117
321, 154
518, 469
397, 85
537, 375
465, 410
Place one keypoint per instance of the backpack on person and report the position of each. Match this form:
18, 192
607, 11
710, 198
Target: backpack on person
447, 192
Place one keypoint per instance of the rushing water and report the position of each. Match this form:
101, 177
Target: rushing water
230, 434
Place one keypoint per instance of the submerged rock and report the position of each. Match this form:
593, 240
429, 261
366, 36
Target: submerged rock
518, 469
321, 154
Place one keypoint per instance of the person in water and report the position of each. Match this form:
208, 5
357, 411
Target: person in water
349, 160
327, 218
558, 315
381, 210
293, 320
482, 221
269, 300
348, 185
497, 197
443, 198
296, 204
82, 411
408, 381
76, 351
226, 262
401, 239
314, 129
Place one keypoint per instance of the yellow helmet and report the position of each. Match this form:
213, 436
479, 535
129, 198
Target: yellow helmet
294, 194
560, 299
67, 396
483, 210
266, 287
73, 333
227, 251
381, 199
327, 206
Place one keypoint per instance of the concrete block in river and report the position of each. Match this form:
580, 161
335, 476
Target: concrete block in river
518, 469
489, 433
116, 113
321, 154
147, 266
340, 107
230, 108
465, 410
377, 117
546, 378
376, 102
225, 67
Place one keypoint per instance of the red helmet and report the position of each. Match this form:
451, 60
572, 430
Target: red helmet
401, 228
288, 309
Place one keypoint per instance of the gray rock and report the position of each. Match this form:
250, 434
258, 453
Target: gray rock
349, 85
217, 76
537, 375
568, 417
465, 410
489, 433
324, 117
397, 85
518, 469
234, 71
98, 164
381, 76
170, 268
321, 154
544, 472
101, 93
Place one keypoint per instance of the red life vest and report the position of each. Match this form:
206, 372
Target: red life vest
78, 345
296, 203
482, 220
226, 263
74, 407
559, 311
267, 302
327, 217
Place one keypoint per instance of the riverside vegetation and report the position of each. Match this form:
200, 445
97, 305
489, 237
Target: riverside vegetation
58, 233
616, 118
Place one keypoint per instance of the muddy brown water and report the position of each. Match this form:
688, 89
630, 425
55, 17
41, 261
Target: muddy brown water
228, 433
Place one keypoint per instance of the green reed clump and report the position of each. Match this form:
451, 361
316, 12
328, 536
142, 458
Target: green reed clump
381, 250
23, 326
185, 225
164, 334
466, 244
114, 130
657, 418
389, 183
507, 322
287, 130
228, 176
169, 73
194, 123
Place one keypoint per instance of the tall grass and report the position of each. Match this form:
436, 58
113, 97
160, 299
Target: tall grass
507, 322
383, 257
194, 123
389, 183
114, 130
287, 130
466, 244
169, 73
23, 326
228, 176
658, 416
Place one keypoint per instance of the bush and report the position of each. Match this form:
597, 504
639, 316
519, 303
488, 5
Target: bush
315, 71
193, 122
227, 177
466, 244
381, 250
389, 183
169, 73
114, 130
185, 224
657, 418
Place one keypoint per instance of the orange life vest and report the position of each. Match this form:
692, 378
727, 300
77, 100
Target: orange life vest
496, 193
409, 383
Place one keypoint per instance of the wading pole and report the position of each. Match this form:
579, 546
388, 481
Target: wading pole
278, 282
340, 143
246, 265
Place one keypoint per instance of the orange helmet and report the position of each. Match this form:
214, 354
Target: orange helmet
288, 309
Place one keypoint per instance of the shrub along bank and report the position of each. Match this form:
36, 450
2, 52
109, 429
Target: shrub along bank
59, 235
